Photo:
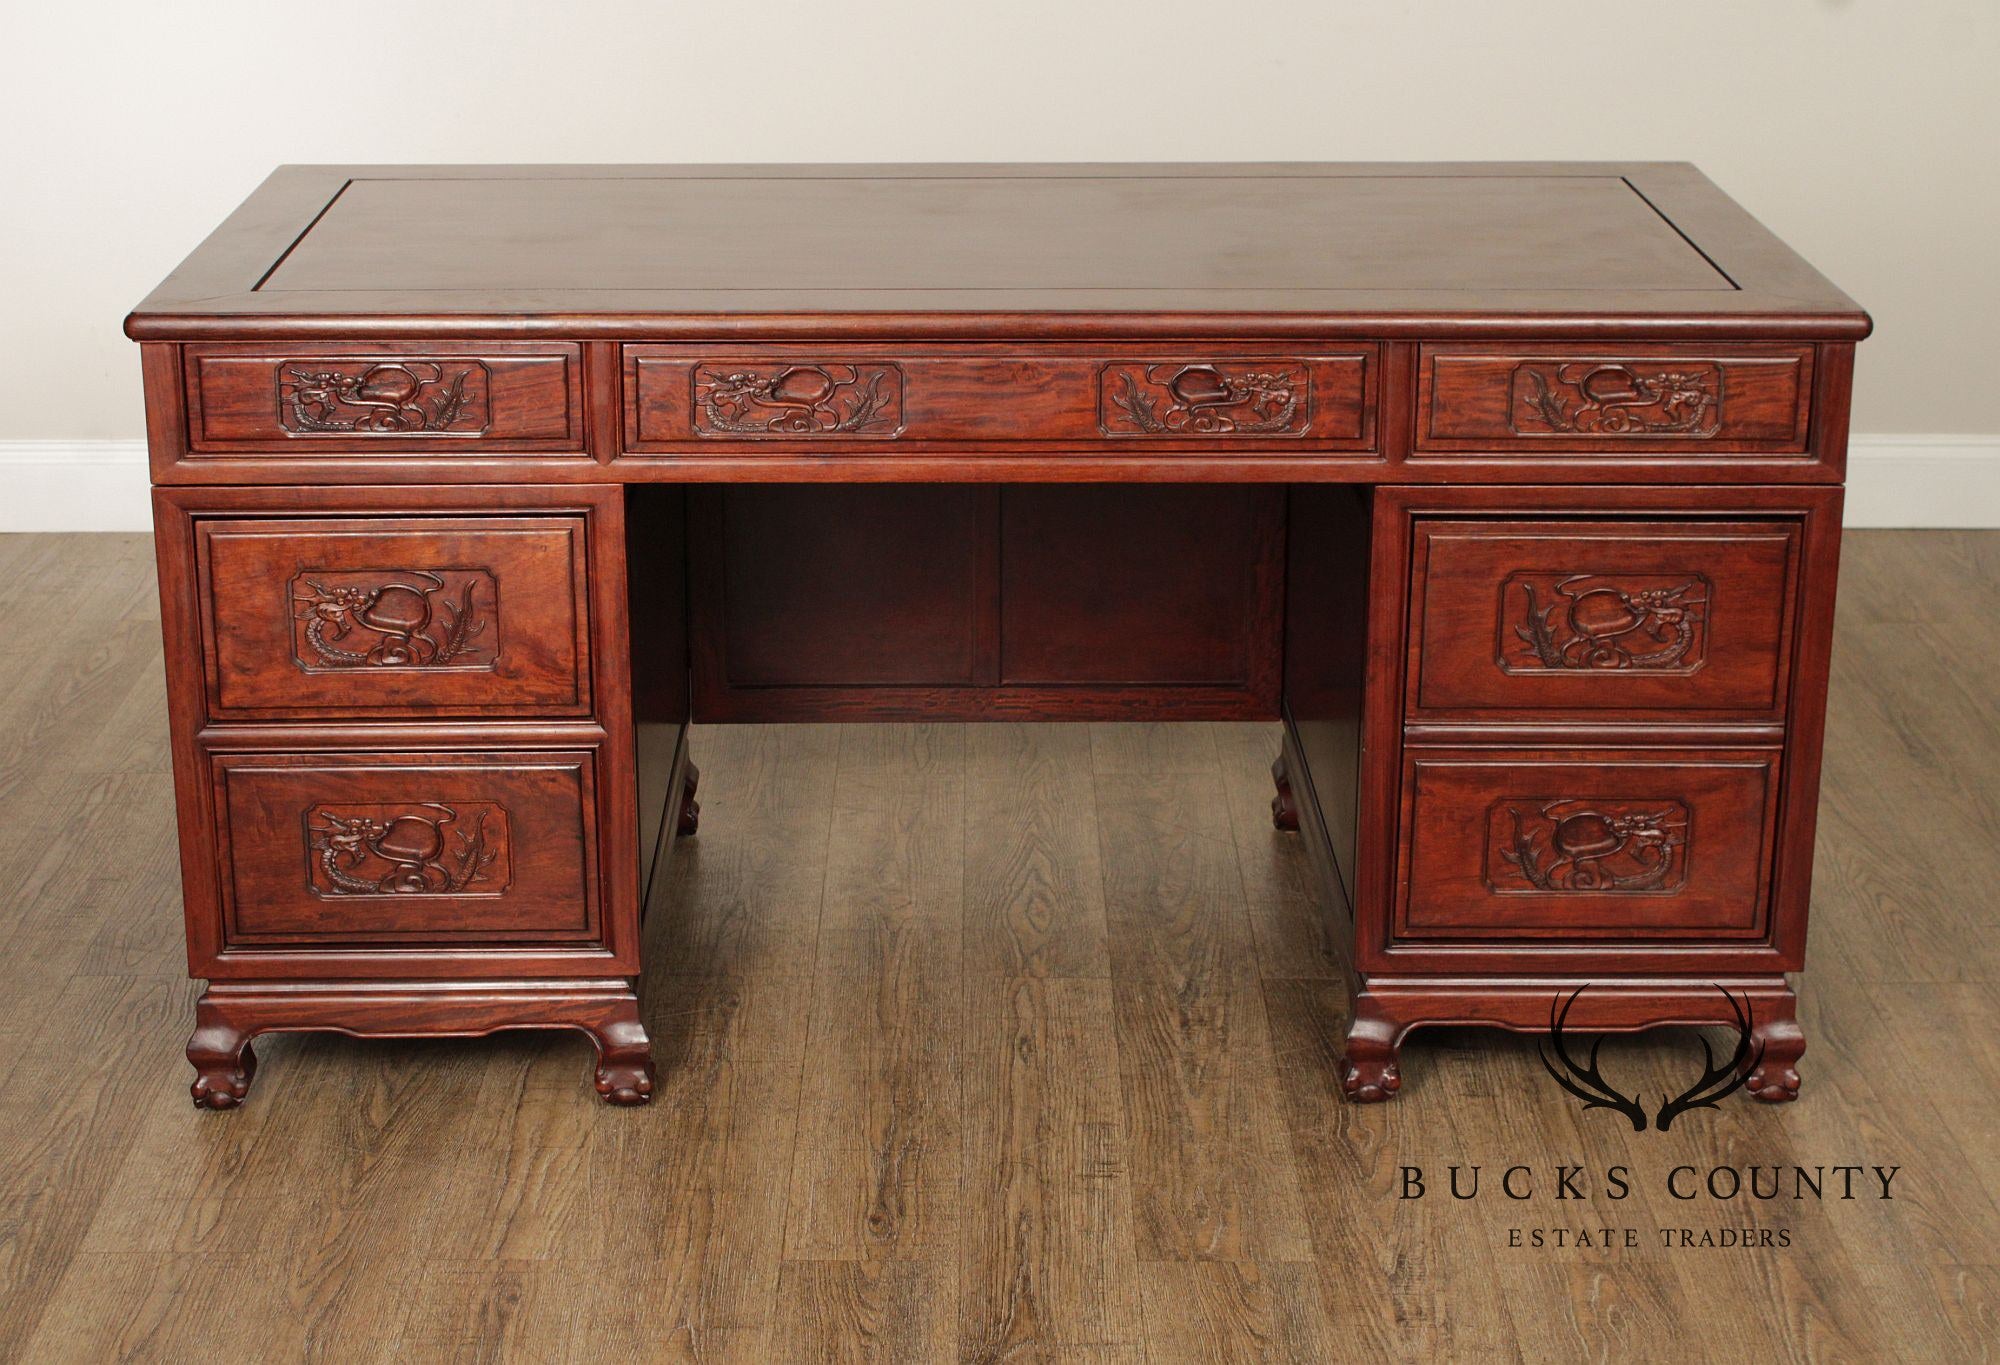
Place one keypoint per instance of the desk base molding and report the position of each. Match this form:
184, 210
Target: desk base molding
228, 1017
1387, 1009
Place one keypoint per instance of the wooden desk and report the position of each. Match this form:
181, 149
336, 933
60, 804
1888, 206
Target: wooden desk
1513, 489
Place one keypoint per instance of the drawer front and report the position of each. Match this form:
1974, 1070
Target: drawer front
1602, 619
345, 618
689, 401
339, 850
1592, 845
385, 399
1688, 401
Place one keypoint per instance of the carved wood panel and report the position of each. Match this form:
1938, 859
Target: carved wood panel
1680, 618
1579, 845
383, 398
394, 618
1655, 623
1239, 398
789, 401
1610, 399
330, 849
424, 848
981, 399
1700, 401
1585, 843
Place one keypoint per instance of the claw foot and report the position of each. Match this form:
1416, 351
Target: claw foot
625, 1081
1368, 1070
1370, 1080
689, 822
1284, 808
224, 1063
624, 1058
1777, 1046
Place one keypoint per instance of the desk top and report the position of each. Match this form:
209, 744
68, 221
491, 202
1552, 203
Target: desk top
993, 251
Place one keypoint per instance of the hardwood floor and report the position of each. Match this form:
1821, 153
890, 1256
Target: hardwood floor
983, 1042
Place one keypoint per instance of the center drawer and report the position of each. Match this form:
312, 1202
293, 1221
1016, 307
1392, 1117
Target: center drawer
754, 400
1602, 618
346, 618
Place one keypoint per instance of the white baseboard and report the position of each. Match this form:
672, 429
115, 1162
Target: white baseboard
75, 486
1928, 481
1923, 481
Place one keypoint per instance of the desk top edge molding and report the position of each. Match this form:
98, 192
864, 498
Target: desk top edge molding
215, 292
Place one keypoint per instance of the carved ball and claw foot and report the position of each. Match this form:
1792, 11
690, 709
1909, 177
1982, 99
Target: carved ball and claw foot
224, 1062
1369, 1070
690, 814
1776, 1047
1284, 808
624, 1063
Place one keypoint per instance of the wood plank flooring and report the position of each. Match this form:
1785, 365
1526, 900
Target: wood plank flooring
1005, 1042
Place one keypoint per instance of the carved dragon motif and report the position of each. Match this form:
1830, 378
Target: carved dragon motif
404, 854
396, 620
390, 398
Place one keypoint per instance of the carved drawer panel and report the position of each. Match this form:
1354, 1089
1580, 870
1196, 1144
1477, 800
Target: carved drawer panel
1590, 845
688, 401
334, 850
1686, 618
1680, 400
437, 399
345, 618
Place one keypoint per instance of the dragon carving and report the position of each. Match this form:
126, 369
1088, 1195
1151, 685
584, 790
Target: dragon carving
1604, 625
1597, 846
398, 621
402, 855
391, 398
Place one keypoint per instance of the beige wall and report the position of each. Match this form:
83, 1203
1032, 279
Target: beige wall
1866, 132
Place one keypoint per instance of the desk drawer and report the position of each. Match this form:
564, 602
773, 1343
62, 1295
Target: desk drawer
1591, 844
400, 617
337, 850
381, 399
1602, 619
681, 400
1682, 400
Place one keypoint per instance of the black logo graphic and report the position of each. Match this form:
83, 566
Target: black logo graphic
1587, 1083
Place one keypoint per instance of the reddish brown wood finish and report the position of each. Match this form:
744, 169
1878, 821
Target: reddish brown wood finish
1327, 645
1386, 1009
228, 1017
353, 849
338, 619
903, 399
1592, 419
385, 400
1691, 401
557, 791
926, 600
1687, 618
1585, 847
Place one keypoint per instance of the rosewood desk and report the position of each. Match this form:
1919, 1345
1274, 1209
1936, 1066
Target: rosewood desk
1513, 490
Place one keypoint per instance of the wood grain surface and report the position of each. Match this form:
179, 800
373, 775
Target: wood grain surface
636, 252
979, 1042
